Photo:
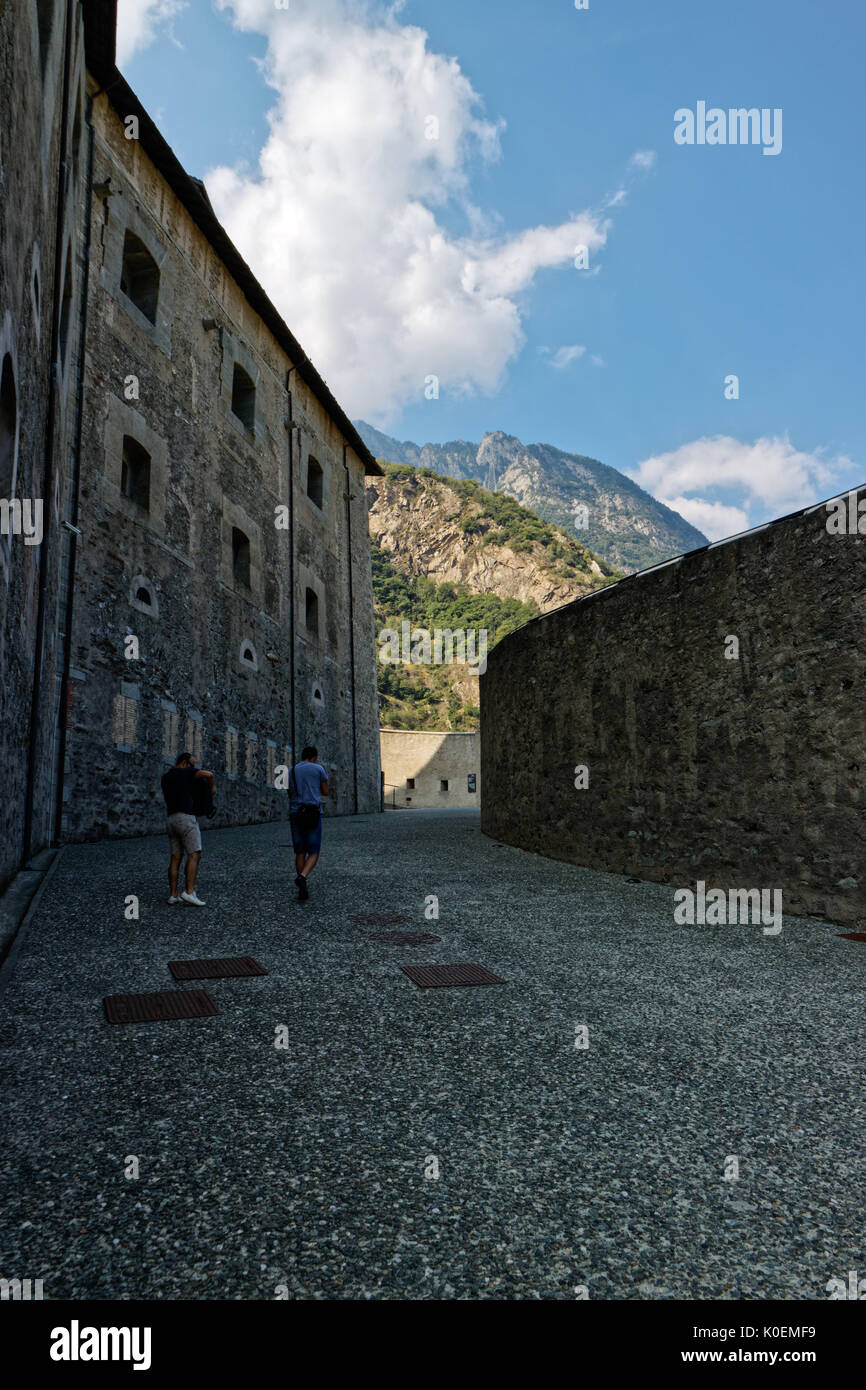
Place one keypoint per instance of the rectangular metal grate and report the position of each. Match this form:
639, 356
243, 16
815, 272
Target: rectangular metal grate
156, 1008
380, 919
443, 976
221, 968
406, 938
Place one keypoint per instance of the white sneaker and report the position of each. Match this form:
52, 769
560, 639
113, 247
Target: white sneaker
173, 902
193, 898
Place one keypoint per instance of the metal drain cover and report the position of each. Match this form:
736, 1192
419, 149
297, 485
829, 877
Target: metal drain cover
380, 919
406, 938
156, 1008
443, 976
221, 968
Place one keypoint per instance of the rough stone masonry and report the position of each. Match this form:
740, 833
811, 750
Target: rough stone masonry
737, 762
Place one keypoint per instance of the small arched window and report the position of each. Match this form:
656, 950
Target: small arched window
243, 397
315, 482
8, 427
135, 473
142, 595
248, 655
311, 611
139, 276
240, 556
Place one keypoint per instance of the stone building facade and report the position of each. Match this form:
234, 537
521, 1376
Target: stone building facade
42, 195
423, 770
714, 706
214, 515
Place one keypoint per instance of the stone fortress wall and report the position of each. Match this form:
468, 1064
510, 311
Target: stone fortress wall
744, 771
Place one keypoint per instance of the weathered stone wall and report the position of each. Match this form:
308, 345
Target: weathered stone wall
744, 773
213, 667
428, 759
32, 59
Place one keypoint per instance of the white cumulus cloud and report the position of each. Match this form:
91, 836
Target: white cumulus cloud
756, 481
140, 21
359, 220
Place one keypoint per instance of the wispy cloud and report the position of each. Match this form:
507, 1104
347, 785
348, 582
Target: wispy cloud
564, 355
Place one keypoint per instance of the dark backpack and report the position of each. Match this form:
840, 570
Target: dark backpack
307, 815
202, 797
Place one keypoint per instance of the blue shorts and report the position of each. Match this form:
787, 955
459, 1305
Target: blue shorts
305, 841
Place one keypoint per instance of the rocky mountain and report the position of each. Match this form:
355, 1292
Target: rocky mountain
590, 501
447, 553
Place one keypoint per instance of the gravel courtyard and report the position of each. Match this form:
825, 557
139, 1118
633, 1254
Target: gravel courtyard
309, 1171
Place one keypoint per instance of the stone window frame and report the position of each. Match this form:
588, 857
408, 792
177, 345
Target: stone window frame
320, 458
194, 734
141, 581
233, 515
236, 353
127, 216
444, 785
130, 694
306, 579
172, 726
317, 698
231, 753
271, 763
123, 419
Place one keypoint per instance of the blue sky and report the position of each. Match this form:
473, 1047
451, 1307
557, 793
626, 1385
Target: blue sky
715, 260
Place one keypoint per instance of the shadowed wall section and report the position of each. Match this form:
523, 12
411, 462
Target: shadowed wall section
743, 772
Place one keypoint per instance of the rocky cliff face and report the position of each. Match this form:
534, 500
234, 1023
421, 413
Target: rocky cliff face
622, 523
428, 527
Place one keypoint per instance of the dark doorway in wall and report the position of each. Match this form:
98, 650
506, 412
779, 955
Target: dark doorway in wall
8, 427
315, 482
311, 611
139, 276
135, 473
243, 397
240, 557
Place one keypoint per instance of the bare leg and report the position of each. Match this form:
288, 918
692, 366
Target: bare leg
299, 862
310, 862
173, 870
192, 863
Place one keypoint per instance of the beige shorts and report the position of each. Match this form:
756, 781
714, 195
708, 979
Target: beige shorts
183, 833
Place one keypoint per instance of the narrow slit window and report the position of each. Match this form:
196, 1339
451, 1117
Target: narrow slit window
139, 277
8, 426
240, 557
315, 482
135, 473
311, 611
66, 311
243, 397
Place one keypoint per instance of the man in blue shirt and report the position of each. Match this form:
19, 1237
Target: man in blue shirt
309, 783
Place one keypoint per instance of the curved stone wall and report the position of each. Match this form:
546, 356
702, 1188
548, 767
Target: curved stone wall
742, 768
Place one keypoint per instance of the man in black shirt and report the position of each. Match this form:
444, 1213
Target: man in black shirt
178, 788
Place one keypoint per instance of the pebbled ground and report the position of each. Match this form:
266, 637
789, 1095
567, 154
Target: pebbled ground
307, 1172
